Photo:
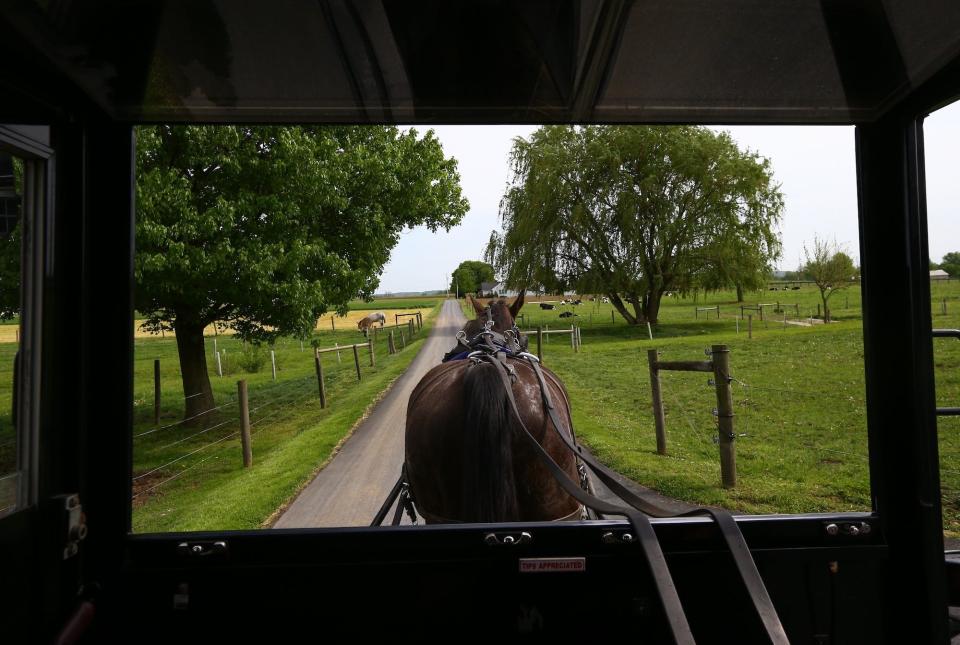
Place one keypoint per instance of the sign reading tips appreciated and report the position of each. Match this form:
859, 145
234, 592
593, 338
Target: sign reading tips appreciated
553, 565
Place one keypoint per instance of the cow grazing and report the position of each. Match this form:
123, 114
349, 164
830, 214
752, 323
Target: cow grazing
567, 314
546, 305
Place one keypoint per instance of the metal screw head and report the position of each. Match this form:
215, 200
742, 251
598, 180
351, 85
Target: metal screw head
832, 529
491, 539
854, 530
608, 538
627, 537
508, 539
196, 548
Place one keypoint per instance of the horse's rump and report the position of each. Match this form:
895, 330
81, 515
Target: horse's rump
437, 435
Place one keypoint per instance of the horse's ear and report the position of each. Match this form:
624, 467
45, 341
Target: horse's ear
517, 304
478, 306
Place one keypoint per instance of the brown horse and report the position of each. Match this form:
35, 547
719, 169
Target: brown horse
465, 459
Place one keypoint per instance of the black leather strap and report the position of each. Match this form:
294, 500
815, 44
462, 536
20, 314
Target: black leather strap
729, 530
646, 537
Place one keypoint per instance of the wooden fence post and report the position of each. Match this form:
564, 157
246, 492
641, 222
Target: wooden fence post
546, 328
403, 342
356, 360
219, 365
245, 424
273, 364
658, 416
750, 326
411, 328
611, 317
540, 343
391, 346
320, 383
333, 326
728, 452
573, 337
396, 320
337, 345
156, 392
373, 360
718, 312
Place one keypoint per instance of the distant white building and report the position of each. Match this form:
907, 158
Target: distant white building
500, 290
939, 274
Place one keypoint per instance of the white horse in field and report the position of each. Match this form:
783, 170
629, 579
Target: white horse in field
367, 322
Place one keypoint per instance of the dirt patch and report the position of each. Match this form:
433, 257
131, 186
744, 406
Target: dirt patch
142, 493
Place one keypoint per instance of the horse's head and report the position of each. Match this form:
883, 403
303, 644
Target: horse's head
502, 315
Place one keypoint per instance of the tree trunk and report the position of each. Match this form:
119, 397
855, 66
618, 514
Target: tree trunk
619, 306
652, 310
197, 393
825, 297
739, 293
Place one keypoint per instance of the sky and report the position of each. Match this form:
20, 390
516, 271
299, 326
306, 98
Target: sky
814, 166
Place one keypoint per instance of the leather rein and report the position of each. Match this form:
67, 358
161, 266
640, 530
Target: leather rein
637, 513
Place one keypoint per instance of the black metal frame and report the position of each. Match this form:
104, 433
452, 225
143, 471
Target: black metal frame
87, 413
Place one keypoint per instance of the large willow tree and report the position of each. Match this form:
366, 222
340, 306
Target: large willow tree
634, 212
262, 229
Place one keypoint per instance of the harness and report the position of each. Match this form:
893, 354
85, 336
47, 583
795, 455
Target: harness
510, 341
498, 350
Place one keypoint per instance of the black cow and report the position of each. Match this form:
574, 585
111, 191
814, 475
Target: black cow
567, 314
546, 305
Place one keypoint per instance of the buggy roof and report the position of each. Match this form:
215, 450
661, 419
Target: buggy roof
495, 61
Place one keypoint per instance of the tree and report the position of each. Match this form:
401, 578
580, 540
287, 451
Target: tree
951, 264
830, 268
468, 277
263, 229
10, 243
635, 212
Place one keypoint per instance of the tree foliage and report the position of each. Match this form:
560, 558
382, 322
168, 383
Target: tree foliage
469, 275
634, 212
951, 264
263, 229
10, 248
830, 268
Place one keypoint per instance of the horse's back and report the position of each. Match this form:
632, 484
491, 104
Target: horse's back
434, 442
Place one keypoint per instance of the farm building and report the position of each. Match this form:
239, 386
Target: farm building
939, 274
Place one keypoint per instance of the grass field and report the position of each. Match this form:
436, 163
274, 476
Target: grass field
189, 476
799, 399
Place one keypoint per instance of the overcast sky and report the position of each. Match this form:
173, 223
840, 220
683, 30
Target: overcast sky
815, 167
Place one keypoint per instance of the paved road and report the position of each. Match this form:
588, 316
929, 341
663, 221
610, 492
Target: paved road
350, 490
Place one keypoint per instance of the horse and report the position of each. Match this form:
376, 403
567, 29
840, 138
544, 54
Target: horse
365, 323
465, 457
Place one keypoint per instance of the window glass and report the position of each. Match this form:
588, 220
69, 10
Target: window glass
11, 191
301, 286
941, 133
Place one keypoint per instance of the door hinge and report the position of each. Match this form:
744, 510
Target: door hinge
74, 523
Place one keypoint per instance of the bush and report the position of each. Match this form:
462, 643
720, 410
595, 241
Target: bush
252, 358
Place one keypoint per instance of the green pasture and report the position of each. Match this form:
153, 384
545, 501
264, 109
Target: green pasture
799, 398
413, 302
208, 488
